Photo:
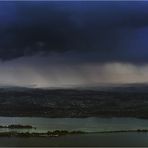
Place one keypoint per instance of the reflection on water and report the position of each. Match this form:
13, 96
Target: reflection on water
84, 124
110, 139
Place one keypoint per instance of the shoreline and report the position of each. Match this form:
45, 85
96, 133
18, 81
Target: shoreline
52, 117
58, 133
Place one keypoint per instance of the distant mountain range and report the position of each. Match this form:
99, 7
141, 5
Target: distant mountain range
133, 87
130, 100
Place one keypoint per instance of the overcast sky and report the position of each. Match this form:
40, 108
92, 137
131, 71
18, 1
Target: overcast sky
58, 44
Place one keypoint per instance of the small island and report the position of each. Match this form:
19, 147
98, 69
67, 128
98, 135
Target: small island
17, 126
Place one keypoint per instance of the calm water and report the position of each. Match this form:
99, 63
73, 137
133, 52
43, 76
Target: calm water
110, 139
84, 124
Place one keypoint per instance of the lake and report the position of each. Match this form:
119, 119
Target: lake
83, 124
110, 139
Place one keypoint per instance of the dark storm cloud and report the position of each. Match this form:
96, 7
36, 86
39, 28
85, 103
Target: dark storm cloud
84, 31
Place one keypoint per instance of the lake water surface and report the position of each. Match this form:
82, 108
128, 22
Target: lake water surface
84, 124
85, 140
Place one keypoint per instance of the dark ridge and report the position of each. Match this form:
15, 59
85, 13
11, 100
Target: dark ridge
73, 103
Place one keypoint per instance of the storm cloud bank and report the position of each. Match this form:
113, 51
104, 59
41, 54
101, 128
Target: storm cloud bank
112, 31
40, 71
55, 43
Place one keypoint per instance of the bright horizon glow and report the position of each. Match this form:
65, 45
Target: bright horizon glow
29, 72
